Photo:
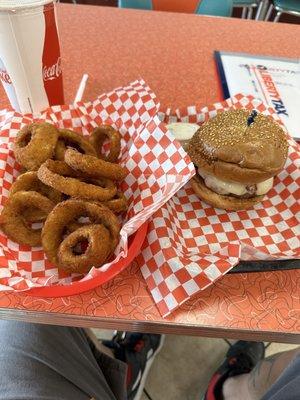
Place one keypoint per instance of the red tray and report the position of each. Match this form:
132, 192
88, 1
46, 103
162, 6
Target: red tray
134, 245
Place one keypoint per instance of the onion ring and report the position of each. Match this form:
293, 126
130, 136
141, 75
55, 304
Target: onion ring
34, 144
97, 251
68, 212
29, 181
98, 137
68, 138
12, 221
94, 167
118, 204
60, 176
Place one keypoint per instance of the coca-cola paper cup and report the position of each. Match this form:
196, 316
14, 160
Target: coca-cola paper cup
30, 68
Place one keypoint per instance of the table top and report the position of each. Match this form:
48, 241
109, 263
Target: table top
173, 53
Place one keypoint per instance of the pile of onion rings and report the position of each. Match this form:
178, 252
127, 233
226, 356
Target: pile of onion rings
69, 187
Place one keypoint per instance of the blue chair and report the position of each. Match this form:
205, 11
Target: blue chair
215, 7
221, 8
248, 7
139, 4
283, 7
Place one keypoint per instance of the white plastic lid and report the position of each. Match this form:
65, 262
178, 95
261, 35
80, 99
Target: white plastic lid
10, 5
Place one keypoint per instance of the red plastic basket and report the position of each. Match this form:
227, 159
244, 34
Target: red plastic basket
134, 245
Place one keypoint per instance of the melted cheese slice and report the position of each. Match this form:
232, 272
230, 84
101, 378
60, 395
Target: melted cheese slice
264, 187
238, 189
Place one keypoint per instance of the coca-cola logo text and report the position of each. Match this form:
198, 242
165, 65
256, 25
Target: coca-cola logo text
4, 77
52, 72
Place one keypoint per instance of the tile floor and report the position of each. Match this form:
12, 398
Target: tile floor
185, 364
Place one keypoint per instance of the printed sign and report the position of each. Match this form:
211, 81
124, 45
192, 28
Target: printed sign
275, 81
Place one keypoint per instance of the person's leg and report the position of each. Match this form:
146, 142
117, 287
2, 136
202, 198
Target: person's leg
256, 384
245, 374
41, 362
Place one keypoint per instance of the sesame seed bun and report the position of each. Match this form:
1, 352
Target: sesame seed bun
230, 149
216, 200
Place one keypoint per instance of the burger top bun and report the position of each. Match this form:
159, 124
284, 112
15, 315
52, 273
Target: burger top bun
240, 146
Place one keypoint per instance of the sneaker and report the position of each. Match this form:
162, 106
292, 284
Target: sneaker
241, 358
138, 351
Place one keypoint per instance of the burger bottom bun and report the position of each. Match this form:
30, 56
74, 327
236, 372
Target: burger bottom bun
224, 202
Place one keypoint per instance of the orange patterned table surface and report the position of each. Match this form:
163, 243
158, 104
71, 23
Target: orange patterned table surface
174, 54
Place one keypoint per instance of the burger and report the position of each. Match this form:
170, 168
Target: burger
237, 154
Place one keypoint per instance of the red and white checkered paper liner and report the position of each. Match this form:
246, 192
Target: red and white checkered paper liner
191, 244
157, 168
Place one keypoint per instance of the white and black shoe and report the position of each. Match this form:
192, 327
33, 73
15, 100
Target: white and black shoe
137, 350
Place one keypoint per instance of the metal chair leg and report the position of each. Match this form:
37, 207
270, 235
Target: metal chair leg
270, 9
250, 13
244, 13
276, 19
258, 12
262, 10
